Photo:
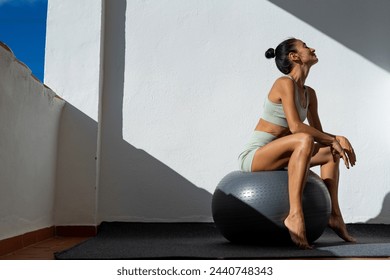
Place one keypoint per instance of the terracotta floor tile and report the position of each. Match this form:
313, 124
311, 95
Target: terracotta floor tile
44, 250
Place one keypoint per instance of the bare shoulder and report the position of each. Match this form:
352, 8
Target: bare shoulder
284, 84
312, 93
310, 89
283, 88
284, 80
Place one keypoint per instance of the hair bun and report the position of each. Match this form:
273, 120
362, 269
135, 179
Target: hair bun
270, 53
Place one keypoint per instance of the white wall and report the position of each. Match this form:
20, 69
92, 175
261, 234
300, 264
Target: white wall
183, 87
29, 120
196, 78
73, 46
72, 69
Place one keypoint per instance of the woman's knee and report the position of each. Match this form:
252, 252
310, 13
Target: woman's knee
305, 142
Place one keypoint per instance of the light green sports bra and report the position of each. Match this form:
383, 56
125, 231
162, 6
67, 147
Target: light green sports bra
274, 113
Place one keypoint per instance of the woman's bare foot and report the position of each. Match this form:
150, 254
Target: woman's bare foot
296, 227
336, 223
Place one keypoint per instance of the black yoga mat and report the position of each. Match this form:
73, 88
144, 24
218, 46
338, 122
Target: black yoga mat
120, 240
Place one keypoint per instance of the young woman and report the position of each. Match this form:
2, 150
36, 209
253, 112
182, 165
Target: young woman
282, 139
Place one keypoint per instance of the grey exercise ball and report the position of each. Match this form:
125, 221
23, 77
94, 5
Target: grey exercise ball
250, 207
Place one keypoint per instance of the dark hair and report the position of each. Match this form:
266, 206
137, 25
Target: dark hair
281, 55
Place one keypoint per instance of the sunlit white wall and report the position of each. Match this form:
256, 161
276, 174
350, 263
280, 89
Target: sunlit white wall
196, 78
191, 91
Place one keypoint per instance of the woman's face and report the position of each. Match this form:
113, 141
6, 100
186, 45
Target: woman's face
306, 54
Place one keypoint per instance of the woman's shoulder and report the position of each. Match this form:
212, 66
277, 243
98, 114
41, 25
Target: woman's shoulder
311, 94
282, 88
284, 84
310, 90
284, 79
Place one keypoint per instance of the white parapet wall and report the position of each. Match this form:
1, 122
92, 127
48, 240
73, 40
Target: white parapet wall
29, 121
180, 86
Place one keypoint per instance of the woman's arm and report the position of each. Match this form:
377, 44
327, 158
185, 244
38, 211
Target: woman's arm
285, 88
312, 113
315, 122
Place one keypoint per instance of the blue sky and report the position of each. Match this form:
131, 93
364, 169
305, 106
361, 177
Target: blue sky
23, 29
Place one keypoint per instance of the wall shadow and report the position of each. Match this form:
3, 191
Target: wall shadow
75, 198
133, 184
384, 216
360, 25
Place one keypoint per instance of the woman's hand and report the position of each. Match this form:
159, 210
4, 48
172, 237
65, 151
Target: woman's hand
341, 146
347, 147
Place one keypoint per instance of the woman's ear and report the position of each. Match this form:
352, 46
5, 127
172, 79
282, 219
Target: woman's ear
293, 56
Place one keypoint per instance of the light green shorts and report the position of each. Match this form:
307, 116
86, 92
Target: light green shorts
257, 140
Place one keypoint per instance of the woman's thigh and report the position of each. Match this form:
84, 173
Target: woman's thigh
276, 154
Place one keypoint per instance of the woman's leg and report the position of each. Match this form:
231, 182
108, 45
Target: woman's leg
295, 152
330, 175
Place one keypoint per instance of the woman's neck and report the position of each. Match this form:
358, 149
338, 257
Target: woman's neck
299, 74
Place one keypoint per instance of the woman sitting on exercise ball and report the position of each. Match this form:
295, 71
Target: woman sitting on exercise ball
282, 139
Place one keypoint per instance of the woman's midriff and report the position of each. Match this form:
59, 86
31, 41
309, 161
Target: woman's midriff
276, 130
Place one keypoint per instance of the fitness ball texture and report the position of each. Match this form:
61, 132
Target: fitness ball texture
250, 207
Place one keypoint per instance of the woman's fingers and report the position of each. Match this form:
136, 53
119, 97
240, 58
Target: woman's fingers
346, 159
350, 152
351, 156
342, 154
347, 148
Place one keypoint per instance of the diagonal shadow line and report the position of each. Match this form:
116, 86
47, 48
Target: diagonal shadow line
384, 215
360, 25
134, 184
